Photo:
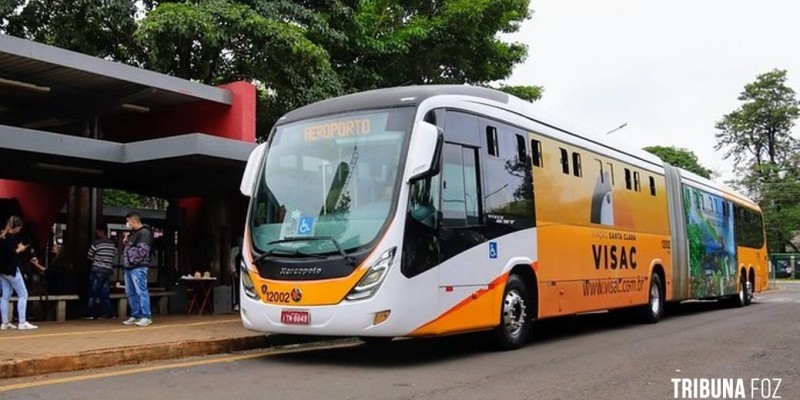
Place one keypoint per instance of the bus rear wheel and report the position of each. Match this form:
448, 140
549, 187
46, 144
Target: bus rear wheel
654, 310
745, 294
515, 320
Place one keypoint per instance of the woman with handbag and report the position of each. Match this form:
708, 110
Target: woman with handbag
11, 276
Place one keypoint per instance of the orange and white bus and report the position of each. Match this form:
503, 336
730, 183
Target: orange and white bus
432, 210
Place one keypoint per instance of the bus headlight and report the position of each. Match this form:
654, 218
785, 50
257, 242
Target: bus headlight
247, 283
372, 280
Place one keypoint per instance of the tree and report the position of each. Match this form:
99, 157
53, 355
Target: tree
101, 28
296, 51
381, 43
758, 137
527, 93
681, 158
778, 194
760, 130
121, 198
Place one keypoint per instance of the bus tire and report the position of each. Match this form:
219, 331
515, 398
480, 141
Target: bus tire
744, 294
515, 320
654, 310
749, 289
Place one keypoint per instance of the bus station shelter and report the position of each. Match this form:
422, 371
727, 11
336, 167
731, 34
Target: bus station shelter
72, 125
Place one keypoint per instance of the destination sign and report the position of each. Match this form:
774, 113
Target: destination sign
338, 129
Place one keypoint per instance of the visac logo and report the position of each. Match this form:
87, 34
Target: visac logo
297, 295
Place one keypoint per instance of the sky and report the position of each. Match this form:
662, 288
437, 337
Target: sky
670, 70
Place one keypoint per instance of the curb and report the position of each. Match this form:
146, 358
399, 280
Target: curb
127, 355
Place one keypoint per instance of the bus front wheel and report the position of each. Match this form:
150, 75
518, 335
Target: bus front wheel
515, 320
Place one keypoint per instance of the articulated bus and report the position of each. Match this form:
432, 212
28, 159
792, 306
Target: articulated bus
433, 210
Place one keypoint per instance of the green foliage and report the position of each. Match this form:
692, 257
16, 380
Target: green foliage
760, 130
758, 137
381, 43
102, 28
681, 158
527, 93
297, 51
778, 191
120, 198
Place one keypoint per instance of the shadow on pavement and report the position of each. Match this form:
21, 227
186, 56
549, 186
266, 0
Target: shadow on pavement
410, 352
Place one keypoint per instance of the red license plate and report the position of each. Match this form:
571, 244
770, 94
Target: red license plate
295, 317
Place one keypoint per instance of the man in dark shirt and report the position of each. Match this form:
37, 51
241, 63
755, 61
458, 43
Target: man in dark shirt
136, 261
102, 253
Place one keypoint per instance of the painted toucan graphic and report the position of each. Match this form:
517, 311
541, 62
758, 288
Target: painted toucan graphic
602, 201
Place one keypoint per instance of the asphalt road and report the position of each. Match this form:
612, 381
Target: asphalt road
598, 356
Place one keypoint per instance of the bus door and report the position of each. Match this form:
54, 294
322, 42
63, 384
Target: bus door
486, 194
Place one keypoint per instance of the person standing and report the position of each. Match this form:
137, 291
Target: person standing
136, 261
102, 253
236, 269
11, 276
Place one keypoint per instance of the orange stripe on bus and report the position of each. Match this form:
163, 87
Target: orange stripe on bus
473, 297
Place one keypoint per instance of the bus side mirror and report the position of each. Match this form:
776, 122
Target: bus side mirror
424, 152
253, 163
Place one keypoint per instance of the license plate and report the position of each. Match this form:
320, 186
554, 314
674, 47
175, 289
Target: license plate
295, 317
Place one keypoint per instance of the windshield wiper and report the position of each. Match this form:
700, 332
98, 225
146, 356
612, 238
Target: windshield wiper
291, 239
275, 252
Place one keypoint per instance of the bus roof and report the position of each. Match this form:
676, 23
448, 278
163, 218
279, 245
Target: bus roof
390, 97
414, 95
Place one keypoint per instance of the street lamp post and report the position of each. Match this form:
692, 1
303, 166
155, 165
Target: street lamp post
617, 128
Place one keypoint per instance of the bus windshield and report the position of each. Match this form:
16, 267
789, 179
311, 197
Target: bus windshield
333, 177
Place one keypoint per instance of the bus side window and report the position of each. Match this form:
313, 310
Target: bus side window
491, 141
576, 164
536, 149
460, 195
522, 152
652, 186
423, 202
602, 175
611, 172
628, 183
564, 161
637, 186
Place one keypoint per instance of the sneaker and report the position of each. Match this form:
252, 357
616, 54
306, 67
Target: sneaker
130, 321
27, 326
7, 326
144, 322
89, 317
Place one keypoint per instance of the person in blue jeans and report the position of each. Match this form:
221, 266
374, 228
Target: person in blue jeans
11, 276
101, 253
136, 261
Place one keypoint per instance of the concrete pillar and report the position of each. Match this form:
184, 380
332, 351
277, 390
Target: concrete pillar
78, 237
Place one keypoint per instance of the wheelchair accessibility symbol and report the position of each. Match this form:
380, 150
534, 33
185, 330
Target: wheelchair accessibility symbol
306, 226
493, 252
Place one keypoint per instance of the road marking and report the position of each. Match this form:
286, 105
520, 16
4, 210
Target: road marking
188, 364
125, 329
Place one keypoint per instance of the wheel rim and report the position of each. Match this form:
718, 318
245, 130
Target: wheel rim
514, 313
655, 299
742, 293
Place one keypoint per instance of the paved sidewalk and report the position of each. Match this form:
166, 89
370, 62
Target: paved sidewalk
83, 344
